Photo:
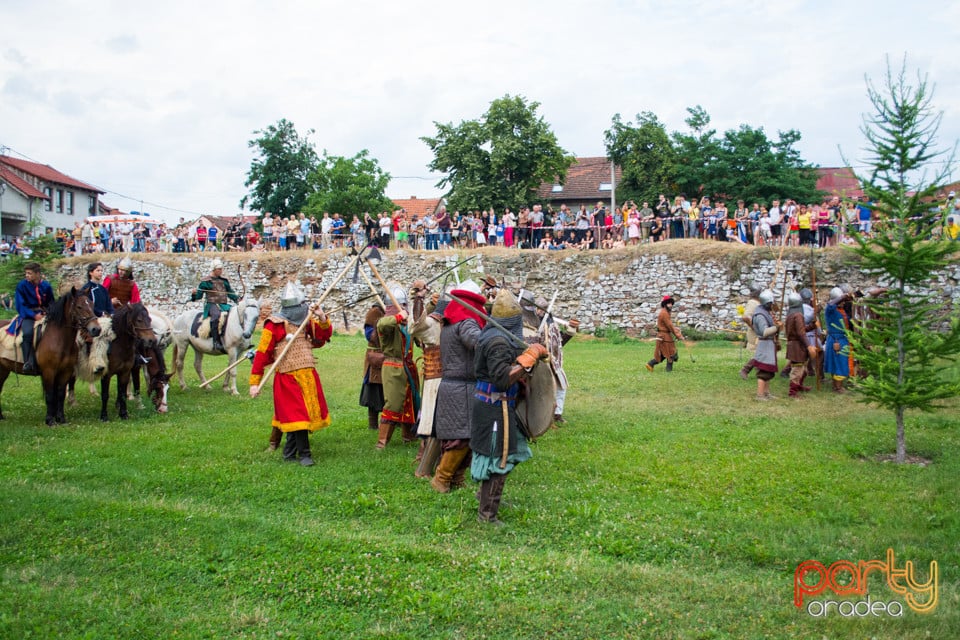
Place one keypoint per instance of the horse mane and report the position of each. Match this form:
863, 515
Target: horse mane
57, 312
124, 316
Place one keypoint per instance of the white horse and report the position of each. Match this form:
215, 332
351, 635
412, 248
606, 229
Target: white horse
241, 322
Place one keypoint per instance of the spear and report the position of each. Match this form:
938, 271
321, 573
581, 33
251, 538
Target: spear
306, 320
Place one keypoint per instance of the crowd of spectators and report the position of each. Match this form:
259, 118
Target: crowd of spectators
828, 223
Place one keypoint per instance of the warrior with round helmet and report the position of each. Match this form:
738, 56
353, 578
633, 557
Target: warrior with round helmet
496, 439
121, 286
401, 394
765, 356
425, 329
836, 348
797, 352
299, 406
218, 293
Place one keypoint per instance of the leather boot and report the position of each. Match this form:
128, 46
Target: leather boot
651, 365
275, 437
838, 385
444, 473
669, 366
409, 432
794, 390
373, 419
386, 432
459, 476
29, 358
491, 491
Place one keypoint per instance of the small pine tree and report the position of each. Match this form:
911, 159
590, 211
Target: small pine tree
903, 347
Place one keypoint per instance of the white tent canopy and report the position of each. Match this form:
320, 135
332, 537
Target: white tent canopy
122, 217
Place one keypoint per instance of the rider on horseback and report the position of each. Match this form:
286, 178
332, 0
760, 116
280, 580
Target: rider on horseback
217, 290
121, 285
33, 296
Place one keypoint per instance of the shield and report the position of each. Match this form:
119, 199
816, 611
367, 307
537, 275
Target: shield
536, 408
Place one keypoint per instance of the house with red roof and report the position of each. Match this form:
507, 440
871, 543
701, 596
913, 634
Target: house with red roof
839, 181
589, 181
417, 207
37, 194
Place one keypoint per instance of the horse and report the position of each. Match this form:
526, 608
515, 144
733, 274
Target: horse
132, 326
57, 350
158, 380
241, 322
164, 329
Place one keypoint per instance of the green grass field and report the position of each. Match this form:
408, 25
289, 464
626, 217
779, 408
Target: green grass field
670, 506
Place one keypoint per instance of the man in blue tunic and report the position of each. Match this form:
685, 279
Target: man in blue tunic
32, 297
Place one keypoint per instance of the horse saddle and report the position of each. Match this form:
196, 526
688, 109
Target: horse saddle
200, 327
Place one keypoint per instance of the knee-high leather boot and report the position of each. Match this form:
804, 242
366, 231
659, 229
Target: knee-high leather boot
386, 432
373, 418
275, 437
449, 463
459, 476
491, 490
409, 431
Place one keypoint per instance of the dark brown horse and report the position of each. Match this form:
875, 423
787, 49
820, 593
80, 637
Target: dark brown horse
158, 380
134, 332
57, 350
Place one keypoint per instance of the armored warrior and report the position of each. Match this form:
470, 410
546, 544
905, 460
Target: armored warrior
453, 421
401, 393
299, 406
797, 352
218, 293
553, 336
371, 390
121, 286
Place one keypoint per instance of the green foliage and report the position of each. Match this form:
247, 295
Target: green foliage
668, 506
743, 163
348, 186
44, 250
611, 333
900, 346
278, 175
645, 156
499, 160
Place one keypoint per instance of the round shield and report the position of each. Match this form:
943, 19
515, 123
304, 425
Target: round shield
536, 409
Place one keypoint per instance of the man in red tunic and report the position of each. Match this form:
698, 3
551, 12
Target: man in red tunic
299, 406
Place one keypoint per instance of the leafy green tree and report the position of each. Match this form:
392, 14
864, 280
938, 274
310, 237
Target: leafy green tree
278, 174
742, 163
499, 160
348, 186
645, 157
902, 347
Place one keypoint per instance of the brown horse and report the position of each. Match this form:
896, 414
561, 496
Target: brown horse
57, 350
132, 326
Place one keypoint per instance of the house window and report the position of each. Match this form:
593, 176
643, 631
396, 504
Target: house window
557, 188
48, 203
69, 203
92, 208
605, 186
59, 200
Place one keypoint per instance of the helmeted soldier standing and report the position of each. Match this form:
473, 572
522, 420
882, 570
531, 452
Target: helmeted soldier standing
553, 337
299, 405
401, 393
371, 391
218, 294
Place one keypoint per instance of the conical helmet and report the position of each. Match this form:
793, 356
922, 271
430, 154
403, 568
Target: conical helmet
125, 265
292, 295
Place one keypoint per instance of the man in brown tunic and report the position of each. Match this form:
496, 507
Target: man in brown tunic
797, 352
666, 346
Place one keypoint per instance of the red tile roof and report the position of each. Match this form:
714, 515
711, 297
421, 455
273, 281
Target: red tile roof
20, 184
839, 181
419, 207
583, 181
46, 173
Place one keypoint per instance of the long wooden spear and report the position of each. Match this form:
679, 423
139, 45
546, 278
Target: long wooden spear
306, 320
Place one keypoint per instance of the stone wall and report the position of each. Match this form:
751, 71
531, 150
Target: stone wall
619, 289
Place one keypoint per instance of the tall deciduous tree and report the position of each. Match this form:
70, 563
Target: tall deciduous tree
742, 163
499, 160
903, 348
645, 157
348, 185
278, 174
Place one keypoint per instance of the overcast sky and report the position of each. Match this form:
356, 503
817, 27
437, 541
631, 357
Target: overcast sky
156, 101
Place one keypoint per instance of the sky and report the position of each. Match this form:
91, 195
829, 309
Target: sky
155, 102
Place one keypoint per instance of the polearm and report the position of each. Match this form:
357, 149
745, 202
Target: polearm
372, 288
816, 316
448, 270
248, 356
547, 312
309, 317
516, 341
